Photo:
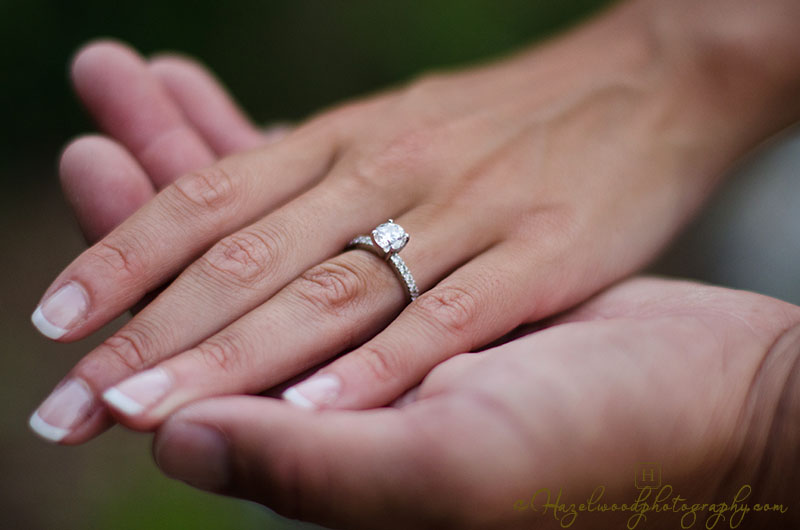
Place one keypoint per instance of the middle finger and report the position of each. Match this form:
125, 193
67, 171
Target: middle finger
328, 309
240, 271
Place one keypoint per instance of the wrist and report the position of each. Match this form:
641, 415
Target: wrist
731, 67
740, 58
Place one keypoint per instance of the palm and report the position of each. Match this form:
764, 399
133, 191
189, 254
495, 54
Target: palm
649, 371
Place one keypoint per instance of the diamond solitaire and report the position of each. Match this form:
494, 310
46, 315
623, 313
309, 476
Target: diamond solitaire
385, 242
390, 237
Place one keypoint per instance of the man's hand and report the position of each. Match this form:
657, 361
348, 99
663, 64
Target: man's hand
700, 379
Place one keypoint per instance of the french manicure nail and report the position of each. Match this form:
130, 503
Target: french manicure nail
195, 454
66, 408
315, 392
61, 311
137, 393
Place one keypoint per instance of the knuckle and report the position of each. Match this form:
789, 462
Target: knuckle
210, 189
455, 309
222, 353
425, 92
556, 227
431, 111
406, 156
123, 256
246, 257
129, 348
332, 286
382, 364
338, 117
345, 120
367, 174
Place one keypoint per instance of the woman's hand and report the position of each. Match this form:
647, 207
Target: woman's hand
701, 380
526, 186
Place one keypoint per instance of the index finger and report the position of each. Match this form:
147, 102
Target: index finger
176, 227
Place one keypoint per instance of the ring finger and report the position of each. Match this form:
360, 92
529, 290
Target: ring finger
330, 308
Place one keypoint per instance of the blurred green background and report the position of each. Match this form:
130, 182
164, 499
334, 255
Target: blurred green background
283, 60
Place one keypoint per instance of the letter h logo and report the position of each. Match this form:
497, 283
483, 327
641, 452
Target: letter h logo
648, 475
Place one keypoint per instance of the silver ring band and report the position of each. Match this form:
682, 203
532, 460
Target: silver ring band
387, 249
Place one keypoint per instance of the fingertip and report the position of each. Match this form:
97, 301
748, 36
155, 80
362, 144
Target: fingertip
45, 327
44, 430
296, 398
134, 401
194, 453
318, 391
95, 56
63, 420
103, 183
127, 414
80, 151
122, 403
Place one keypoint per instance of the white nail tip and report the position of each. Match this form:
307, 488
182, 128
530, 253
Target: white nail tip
293, 396
45, 430
45, 327
121, 402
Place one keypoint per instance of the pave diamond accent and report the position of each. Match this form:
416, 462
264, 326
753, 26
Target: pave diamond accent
390, 237
405, 274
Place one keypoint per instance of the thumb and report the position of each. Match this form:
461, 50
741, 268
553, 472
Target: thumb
329, 467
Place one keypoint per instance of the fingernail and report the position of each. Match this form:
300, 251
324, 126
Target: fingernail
195, 454
61, 311
65, 409
315, 392
137, 393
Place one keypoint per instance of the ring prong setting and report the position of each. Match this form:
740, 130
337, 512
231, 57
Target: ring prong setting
390, 237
